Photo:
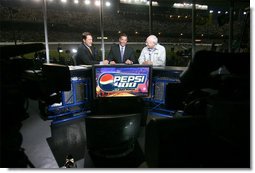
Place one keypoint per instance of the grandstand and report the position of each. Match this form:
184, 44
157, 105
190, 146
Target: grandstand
68, 21
22, 21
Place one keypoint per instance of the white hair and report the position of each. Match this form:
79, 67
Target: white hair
153, 38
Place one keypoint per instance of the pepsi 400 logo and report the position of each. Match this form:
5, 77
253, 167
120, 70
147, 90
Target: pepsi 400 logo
112, 81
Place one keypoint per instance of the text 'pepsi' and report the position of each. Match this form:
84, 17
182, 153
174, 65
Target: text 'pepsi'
128, 81
128, 78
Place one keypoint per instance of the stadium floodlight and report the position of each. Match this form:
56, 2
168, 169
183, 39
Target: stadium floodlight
139, 2
64, 1
97, 3
154, 3
76, 1
87, 2
107, 4
189, 6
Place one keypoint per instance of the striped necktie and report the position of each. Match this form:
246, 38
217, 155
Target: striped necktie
122, 53
90, 50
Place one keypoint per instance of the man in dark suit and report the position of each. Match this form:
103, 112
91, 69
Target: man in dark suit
86, 53
121, 53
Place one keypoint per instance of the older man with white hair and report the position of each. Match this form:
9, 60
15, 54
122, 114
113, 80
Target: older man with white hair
153, 53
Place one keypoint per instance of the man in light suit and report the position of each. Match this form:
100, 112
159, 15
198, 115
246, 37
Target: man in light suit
153, 54
121, 53
86, 53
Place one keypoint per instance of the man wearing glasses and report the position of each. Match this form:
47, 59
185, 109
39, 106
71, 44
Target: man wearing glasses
153, 54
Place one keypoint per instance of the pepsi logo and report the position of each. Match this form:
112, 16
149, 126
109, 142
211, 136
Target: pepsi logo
106, 82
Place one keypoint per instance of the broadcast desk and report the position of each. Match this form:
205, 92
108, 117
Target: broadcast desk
77, 100
166, 71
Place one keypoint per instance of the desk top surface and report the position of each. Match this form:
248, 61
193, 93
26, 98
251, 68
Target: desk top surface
161, 68
170, 68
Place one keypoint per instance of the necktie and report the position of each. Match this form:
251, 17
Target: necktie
122, 53
90, 50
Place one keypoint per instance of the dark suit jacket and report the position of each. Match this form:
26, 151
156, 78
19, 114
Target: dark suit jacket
84, 57
114, 54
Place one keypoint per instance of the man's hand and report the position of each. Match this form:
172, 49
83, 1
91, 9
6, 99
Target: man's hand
128, 62
105, 62
112, 62
148, 62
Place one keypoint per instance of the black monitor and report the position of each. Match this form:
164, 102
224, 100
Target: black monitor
121, 81
58, 77
112, 135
